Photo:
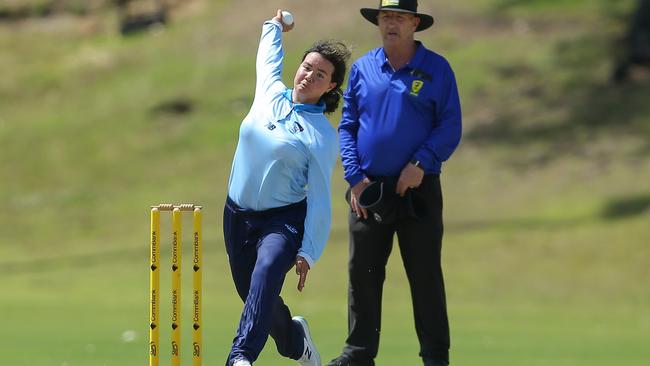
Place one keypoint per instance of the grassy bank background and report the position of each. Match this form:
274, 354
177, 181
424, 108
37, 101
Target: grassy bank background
546, 200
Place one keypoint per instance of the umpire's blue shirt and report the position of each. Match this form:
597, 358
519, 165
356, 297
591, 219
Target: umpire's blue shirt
391, 117
286, 151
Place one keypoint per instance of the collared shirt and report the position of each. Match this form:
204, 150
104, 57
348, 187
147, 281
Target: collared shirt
286, 151
391, 117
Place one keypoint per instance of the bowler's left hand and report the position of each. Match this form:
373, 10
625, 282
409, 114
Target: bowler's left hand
411, 177
302, 267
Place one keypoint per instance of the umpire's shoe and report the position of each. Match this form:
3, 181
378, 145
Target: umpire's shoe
344, 360
310, 355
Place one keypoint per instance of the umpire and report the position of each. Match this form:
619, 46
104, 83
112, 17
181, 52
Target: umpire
401, 120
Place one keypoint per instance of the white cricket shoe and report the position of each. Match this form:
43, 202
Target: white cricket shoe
241, 362
310, 355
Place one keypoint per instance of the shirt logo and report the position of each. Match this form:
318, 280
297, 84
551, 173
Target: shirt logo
296, 128
416, 87
389, 2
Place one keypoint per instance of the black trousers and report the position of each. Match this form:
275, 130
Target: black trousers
420, 242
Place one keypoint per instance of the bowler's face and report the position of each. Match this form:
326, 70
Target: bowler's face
397, 27
313, 78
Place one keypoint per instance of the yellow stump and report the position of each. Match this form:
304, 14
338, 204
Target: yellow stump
197, 286
177, 225
176, 285
154, 286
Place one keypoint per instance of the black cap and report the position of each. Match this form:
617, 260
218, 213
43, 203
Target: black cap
380, 200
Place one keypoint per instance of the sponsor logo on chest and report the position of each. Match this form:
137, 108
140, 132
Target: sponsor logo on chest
295, 128
416, 86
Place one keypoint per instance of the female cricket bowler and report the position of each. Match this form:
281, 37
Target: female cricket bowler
278, 210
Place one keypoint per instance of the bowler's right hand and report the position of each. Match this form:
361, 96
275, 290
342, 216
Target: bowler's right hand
278, 17
355, 193
302, 267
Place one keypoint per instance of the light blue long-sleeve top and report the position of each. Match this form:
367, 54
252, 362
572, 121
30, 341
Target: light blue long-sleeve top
286, 151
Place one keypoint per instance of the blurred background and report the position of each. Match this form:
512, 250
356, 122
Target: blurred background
110, 106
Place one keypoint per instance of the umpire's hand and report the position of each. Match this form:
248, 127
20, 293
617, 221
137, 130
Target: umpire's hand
411, 177
355, 192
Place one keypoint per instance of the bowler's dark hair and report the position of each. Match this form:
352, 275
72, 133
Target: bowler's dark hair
338, 54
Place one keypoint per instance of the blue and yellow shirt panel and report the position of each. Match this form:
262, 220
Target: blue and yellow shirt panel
391, 117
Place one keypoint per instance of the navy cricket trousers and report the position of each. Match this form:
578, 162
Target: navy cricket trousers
262, 247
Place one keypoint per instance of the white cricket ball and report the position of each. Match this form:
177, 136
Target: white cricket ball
287, 17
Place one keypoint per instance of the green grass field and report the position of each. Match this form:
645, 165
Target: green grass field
547, 200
